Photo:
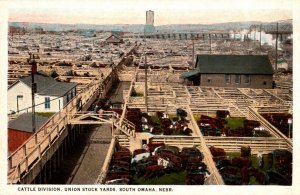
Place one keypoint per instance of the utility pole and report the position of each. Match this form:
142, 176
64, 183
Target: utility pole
276, 47
193, 55
210, 43
146, 84
254, 36
260, 36
33, 91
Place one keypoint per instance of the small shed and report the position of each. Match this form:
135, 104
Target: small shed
20, 129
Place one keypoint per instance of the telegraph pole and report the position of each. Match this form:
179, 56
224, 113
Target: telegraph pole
146, 84
276, 47
193, 55
210, 43
33, 91
260, 36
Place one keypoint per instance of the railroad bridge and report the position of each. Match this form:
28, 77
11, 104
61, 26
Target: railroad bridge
36, 159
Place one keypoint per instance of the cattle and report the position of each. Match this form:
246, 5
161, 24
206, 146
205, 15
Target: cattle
186, 131
244, 175
241, 162
154, 171
139, 157
217, 151
245, 151
119, 168
230, 175
195, 179
155, 130
139, 167
120, 163
138, 151
153, 145
190, 153
251, 124
174, 159
222, 113
222, 162
282, 156
195, 164
167, 131
173, 149
260, 176
277, 178
118, 175
121, 158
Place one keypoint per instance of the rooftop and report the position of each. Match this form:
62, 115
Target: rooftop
48, 85
234, 64
24, 122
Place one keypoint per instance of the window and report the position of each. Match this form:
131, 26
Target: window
247, 78
227, 78
47, 102
19, 96
209, 80
265, 82
237, 79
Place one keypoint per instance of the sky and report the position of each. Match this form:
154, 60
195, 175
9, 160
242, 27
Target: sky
133, 11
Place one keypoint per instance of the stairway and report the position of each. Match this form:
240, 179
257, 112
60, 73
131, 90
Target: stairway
123, 140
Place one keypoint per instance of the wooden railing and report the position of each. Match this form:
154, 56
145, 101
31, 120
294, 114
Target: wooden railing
234, 144
179, 141
102, 176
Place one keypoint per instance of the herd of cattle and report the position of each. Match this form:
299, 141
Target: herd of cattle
158, 124
273, 168
155, 160
210, 126
280, 121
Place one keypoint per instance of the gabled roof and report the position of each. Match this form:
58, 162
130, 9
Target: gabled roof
48, 86
234, 64
115, 36
24, 122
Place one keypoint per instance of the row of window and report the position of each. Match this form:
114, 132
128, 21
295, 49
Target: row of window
237, 78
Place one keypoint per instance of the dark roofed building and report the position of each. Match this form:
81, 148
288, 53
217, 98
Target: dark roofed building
20, 129
114, 39
240, 71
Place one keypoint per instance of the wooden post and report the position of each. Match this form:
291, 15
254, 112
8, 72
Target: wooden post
24, 150
9, 163
276, 48
39, 150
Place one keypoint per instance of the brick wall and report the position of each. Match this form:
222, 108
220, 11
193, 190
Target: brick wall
218, 80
